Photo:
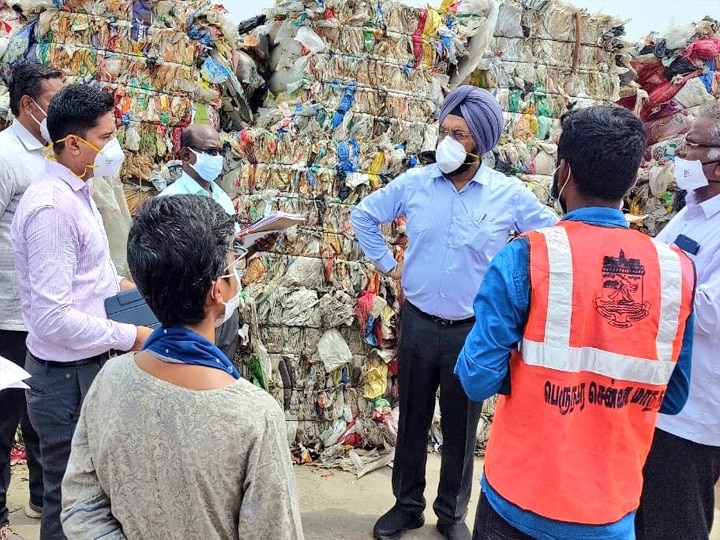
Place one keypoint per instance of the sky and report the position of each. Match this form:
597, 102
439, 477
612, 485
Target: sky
645, 15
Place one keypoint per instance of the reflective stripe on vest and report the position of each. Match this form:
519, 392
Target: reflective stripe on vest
556, 353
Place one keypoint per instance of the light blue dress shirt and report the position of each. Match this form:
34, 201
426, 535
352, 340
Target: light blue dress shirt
187, 186
453, 235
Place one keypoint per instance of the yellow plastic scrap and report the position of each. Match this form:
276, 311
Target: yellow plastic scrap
374, 170
446, 6
432, 25
375, 380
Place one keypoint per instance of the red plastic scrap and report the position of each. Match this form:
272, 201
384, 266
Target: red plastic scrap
417, 37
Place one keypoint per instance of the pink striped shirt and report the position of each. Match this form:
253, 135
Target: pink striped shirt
64, 270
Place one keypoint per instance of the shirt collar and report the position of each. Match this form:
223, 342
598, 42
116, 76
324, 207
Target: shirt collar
709, 207
482, 176
27, 139
192, 186
598, 215
60, 171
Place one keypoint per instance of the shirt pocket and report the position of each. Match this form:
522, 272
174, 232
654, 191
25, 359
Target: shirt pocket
482, 237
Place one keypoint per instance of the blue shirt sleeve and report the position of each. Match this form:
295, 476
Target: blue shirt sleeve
530, 213
678, 387
501, 309
382, 206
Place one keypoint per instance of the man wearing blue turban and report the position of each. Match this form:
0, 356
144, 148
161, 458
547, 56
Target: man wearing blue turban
459, 213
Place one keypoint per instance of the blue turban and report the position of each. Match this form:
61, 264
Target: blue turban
480, 110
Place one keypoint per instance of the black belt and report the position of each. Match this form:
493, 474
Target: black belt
438, 320
97, 359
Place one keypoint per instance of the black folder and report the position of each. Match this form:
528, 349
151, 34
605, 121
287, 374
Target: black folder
130, 307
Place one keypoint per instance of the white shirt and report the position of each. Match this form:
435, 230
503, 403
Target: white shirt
22, 158
699, 421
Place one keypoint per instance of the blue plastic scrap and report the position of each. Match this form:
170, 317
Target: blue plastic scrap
346, 102
348, 155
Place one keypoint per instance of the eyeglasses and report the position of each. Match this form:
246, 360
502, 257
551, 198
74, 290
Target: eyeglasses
208, 151
688, 145
237, 267
456, 134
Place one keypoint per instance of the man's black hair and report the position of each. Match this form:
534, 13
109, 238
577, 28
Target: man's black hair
177, 248
604, 146
75, 110
27, 80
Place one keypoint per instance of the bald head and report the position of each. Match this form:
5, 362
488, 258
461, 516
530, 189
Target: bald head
197, 134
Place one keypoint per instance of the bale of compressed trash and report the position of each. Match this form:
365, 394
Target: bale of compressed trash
676, 75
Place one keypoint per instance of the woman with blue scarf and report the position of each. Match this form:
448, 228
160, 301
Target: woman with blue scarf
171, 441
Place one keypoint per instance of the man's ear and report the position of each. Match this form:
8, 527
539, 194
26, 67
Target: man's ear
26, 104
72, 145
716, 172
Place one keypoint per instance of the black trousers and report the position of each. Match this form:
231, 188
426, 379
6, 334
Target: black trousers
427, 353
489, 525
678, 497
13, 412
54, 401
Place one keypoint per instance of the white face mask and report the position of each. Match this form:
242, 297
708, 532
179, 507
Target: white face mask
689, 174
109, 160
208, 167
44, 133
232, 305
450, 155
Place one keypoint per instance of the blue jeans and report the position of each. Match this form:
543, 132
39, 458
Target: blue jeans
54, 400
13, 411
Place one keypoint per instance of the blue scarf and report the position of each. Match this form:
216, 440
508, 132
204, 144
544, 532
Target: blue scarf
183, 346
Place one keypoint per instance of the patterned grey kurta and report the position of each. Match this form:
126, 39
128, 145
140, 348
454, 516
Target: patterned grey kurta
151, 460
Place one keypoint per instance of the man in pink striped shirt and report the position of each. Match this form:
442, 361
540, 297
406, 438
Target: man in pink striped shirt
65, 273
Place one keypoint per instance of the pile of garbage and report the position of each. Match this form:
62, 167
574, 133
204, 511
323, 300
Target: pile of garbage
351, 99
167, 63
319, 103
544, 58
676, 75
10, 20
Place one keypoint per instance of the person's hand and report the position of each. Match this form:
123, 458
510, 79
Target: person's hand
126, 285
396, 273
143, 332
267, 242
263, 244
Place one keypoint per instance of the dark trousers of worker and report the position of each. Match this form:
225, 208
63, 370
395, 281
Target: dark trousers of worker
427, 353
54, 400
489, 525
226, 335
678, 497
13, 412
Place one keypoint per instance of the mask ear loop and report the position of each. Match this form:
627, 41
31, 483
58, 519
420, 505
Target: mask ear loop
566, 182
88, 143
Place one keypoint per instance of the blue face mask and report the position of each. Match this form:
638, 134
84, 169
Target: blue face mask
207, 166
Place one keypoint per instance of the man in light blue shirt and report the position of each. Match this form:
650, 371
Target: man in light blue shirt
202, 157
459, 215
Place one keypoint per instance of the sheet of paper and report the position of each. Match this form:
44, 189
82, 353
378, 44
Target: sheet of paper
277, 222
12, 375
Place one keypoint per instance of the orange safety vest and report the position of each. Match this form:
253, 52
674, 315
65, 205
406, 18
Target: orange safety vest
608, 308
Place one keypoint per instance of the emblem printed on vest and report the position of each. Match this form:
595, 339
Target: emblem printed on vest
622, 302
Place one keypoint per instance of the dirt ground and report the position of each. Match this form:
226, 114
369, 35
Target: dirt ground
335, 505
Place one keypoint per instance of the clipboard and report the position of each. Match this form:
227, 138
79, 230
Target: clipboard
131, 308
